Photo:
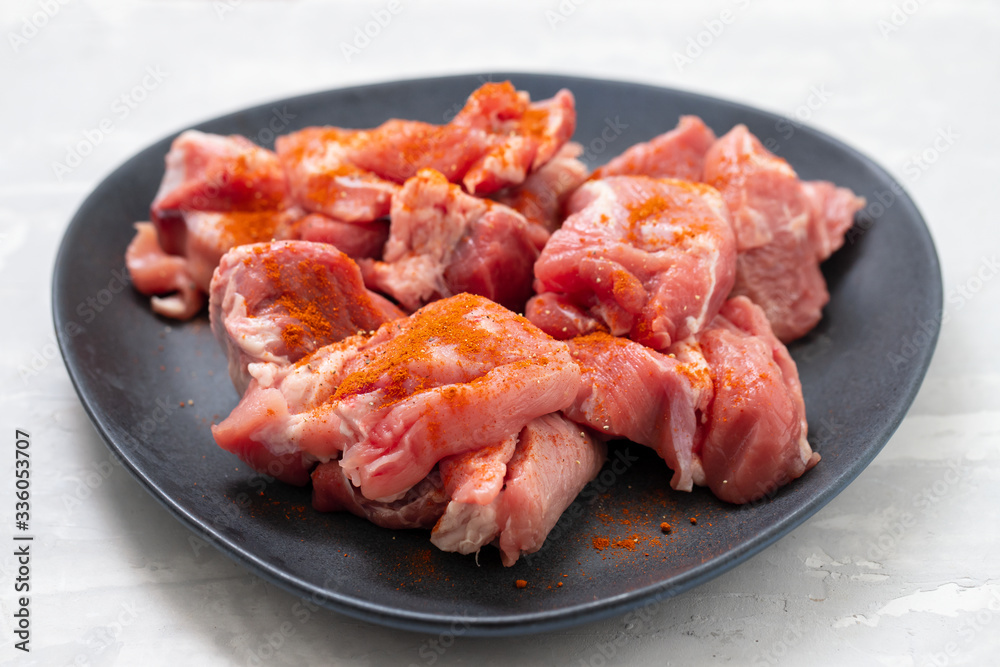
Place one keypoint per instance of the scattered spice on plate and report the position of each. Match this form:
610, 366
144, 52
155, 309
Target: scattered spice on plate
626, 543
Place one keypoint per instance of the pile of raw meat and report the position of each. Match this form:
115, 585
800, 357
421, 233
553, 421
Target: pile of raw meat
366, 286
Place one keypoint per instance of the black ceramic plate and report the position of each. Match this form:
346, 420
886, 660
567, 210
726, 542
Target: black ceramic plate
860, 370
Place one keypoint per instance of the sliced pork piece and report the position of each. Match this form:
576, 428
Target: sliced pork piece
631, 391
783, 229
473, 481
444, 242
523, 135
279, 302
493, 142
457, 375
553, 460
166, 278
679, 153
723, 408
650, 259
476, 476
420, 507
755, 436
208, 172
217, 193
540, 199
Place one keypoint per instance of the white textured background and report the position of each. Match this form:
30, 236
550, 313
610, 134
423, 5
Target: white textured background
903, 568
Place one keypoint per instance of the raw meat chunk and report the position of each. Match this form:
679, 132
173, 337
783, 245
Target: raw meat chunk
154, 273
755, 435
472, 481
832, 214
723, 408
207, 237
323, 179
631, 391
679, 153
552, 462
522, 136
444, 242
457, 375
278, 302
210, 235
783, 229
493, 142
651, 259
476, 476
217, 193
209, 172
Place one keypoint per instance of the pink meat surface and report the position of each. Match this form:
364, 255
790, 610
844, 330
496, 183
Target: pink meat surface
560, 317
552, 462
650, 259
631, 391
540, 199
443, 242
208, 172
476, 476
457, 375
494, 142
723, 408
357, 240
472, 480
166, 278
783, 229
679, 153
278, 302
755, 435
832, 210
